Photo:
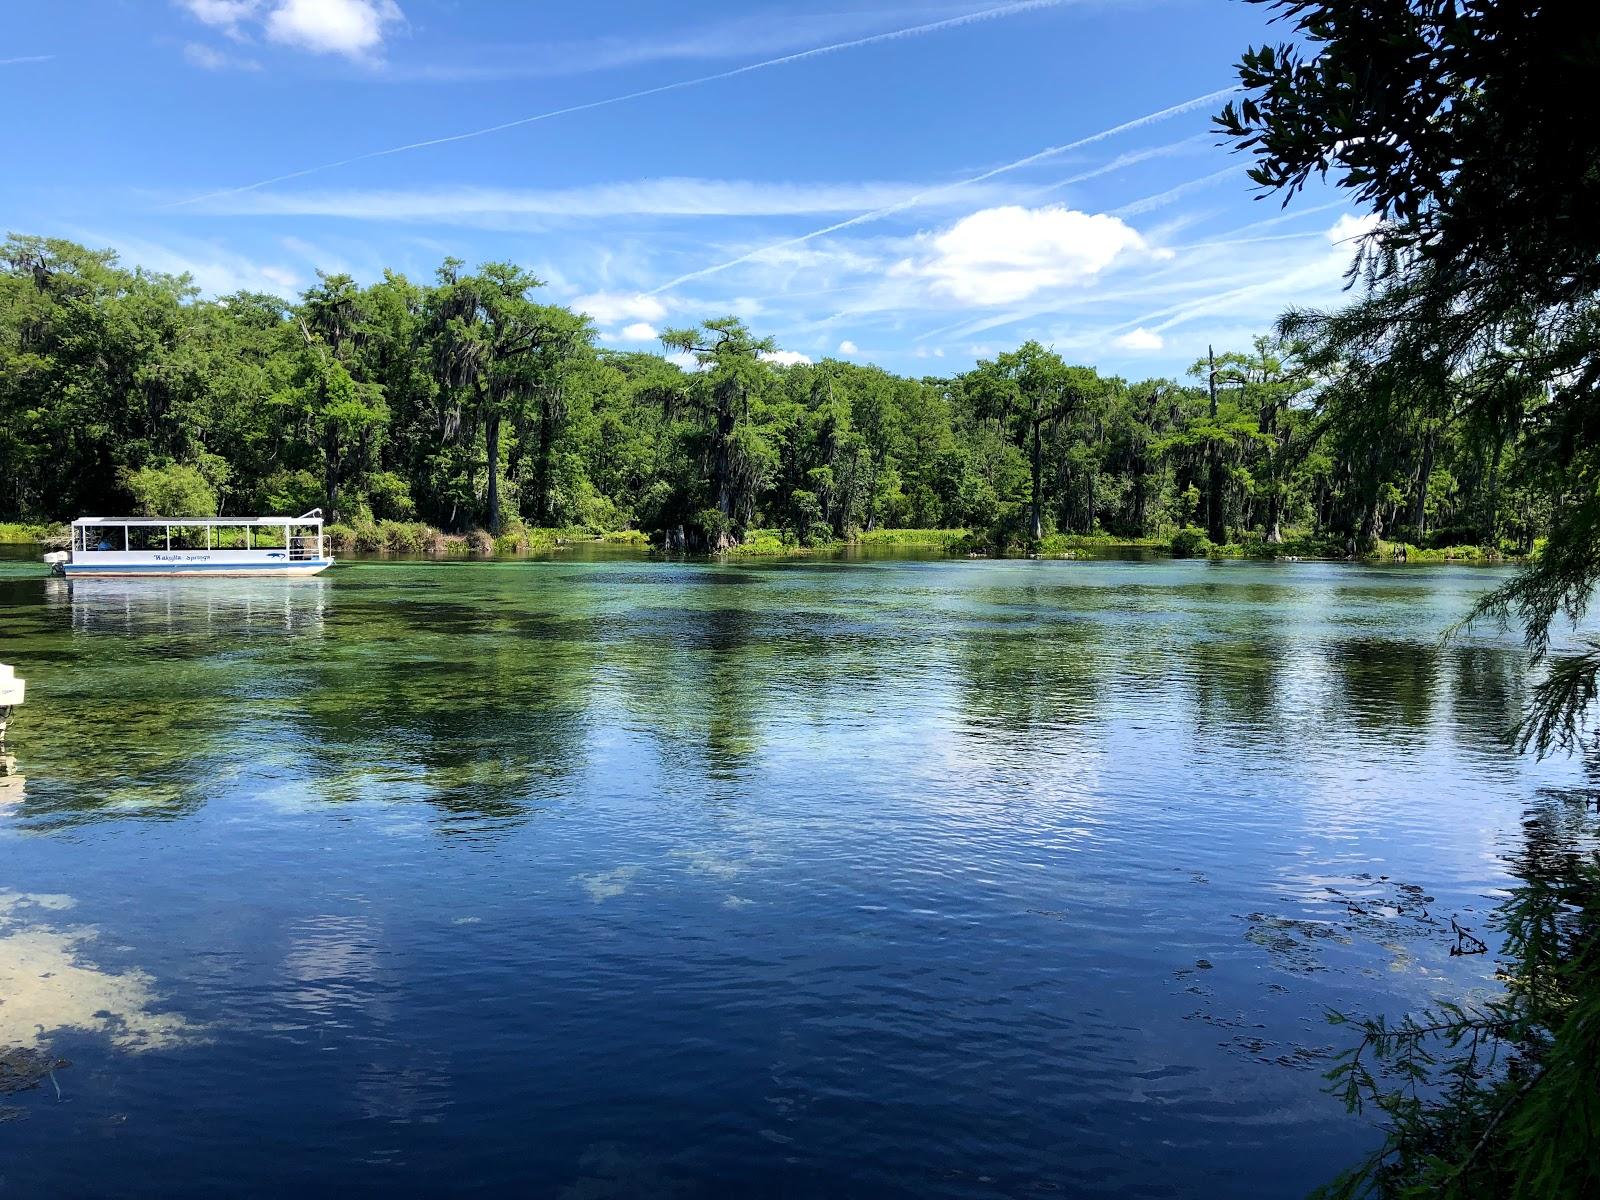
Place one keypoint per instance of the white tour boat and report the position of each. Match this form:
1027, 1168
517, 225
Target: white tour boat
194, 546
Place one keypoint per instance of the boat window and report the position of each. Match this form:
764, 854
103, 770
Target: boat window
147, 537
303, 541
267, 537
105, 537
230, 537
186, 537
77, 537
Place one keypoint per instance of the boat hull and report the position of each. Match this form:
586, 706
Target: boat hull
167, 570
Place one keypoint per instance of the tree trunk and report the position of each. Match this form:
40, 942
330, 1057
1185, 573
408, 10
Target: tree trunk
1216, 525
491, 443
1419, 498
720, 468
516, 457
1038, 467
1371, 517
1371, 528
872, 497
331, 471
541, 464
1494, 488
1140, 502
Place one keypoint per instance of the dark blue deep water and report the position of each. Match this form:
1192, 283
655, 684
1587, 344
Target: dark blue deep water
624, 878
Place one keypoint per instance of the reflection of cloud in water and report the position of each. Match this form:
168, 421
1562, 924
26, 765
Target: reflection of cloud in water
608, 884
339, 976
46, 985
705, 862
415, 1092
332, 962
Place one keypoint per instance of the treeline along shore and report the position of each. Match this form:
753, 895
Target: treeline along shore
462, 413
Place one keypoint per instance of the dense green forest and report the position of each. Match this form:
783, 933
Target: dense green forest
464, 403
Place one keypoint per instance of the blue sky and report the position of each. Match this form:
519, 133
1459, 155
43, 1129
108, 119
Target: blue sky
913, 184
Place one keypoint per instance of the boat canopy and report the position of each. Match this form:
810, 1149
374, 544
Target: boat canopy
314, 517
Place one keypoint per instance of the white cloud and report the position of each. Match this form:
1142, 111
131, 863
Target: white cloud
1347, 229
209, 58
1003, 255
353, 28
216, 271
282, 276
849, 347
785, 358
639, 331
1140, 339
926, 352
226, 15
205, 56
608, 308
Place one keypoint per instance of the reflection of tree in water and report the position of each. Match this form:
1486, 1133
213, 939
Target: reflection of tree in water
477, 710
1026, 674
1386, 685
1487, 695
1237, 685
1561, 828
144, 712
734, 652
151, 744
1234, 666
699, 682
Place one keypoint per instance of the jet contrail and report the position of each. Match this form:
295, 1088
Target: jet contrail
1116, 164
988, 14
1135, 208
27, 58
921, 197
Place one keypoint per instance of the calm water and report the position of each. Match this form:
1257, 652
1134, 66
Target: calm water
621, 878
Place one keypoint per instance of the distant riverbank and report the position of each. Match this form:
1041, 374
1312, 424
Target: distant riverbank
416, 539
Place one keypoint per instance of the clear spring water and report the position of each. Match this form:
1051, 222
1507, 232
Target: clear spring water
623, 878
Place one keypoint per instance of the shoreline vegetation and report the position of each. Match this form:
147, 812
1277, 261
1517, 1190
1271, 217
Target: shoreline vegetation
461, 416
418, 539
